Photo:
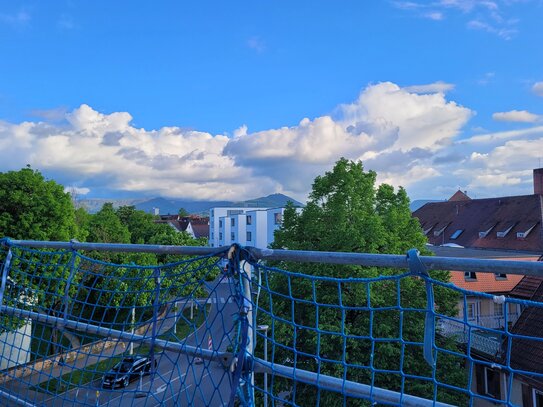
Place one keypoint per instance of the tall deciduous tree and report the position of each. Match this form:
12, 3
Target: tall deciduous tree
34, 208
347, 212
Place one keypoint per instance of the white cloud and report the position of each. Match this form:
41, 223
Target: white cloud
435, 87
537, 88
516, 116
499, 137
257, 44
75, 191
20, 18
434, 15
409, 138
484, 15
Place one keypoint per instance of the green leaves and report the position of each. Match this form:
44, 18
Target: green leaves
347, 212
34, 208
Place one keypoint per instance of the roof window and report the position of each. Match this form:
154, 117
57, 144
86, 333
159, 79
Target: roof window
455, 235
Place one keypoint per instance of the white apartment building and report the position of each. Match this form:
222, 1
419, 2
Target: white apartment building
246, 226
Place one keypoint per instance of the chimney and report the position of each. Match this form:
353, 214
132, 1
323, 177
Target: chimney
538, 181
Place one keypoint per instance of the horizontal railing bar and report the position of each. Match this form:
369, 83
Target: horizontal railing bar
16, 399
400, 261
61, 323
122, 247
363, 259
346, 387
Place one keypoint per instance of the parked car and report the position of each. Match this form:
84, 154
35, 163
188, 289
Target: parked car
127, 370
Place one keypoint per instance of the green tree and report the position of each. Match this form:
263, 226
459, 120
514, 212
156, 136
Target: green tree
33, 208
346, 212
106, 227
140, 224
183, 213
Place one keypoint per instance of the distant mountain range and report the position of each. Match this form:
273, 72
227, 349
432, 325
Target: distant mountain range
171, 206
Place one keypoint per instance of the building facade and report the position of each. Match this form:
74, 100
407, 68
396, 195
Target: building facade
246, 226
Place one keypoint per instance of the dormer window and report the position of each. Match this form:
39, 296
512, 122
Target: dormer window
455, 235
505, 229
438, 232
486, 230
525, 230
427, 230
470, 276
500, 276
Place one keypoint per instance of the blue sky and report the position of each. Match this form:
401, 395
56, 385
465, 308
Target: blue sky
232, 100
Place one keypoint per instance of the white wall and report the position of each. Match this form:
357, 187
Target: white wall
15, 346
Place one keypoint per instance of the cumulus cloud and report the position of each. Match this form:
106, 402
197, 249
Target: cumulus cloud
411, 138
537, 88
516, 116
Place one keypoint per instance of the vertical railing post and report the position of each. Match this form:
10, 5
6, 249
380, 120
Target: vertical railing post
156, 300
5, 269
66, 298
417, 268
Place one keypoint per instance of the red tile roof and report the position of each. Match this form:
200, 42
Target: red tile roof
485, 282
488, 282
480, 220
459, 196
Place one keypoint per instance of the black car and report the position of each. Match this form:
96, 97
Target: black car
127, 370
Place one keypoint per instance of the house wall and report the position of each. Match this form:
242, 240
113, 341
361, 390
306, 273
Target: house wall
215, 214
275, 219
16, 346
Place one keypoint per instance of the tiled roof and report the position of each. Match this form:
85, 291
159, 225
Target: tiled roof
527, 287
459, 196
526, 354
200, 230
491, 223
485, 282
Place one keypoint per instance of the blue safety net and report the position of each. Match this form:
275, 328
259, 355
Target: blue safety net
85, 328
78, 329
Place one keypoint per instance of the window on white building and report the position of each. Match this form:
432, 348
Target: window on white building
233, 222
220, 223
498, 310
249, 220
471, 310
233, 236
278, 218
220, 235
249, 236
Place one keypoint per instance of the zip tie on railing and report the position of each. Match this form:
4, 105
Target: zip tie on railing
499, 299
417, 268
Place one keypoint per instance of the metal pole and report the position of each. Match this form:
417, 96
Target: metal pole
533, 268
265, 329
133, 326
266, 373
176, 310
